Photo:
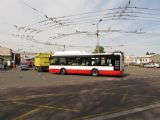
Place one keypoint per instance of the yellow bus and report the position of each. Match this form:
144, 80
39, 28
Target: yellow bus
42, 61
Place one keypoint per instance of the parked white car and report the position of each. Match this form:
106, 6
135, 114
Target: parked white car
152, 65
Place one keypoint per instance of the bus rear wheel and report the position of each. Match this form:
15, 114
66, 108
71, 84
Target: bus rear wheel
95, 72
63, 71
39, 69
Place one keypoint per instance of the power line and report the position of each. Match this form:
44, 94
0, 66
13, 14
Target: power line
88, 18
60, 24
141, 8
34, 9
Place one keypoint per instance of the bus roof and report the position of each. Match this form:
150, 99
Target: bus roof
79, 53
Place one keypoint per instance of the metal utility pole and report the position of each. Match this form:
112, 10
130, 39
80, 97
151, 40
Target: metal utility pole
64, 47
97, 34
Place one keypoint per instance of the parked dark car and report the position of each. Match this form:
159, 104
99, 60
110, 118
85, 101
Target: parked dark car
24, 66
1, 66
133, 64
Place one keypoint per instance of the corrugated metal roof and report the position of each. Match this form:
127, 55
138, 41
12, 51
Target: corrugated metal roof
5, 51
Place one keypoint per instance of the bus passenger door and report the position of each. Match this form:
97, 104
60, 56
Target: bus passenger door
117, 63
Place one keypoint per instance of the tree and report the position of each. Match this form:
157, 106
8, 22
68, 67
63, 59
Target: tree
147, 53
101, 49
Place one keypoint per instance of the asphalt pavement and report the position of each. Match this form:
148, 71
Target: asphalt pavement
32, 95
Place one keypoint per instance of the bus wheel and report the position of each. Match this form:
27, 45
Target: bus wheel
39, 69
63, 71
95, 72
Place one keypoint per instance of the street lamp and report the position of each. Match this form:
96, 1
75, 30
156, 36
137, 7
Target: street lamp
97, 33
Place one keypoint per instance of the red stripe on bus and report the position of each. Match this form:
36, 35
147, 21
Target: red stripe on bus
54, 70
108, 72
101, 72
79, 71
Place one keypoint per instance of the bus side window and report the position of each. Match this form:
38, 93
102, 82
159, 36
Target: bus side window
55, 61
83, 63
72, 61
62, 61
109, 62
103, 63
88, 62
98, 61
80, 61
93, 61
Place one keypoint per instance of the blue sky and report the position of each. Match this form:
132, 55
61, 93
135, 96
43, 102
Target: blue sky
16, 12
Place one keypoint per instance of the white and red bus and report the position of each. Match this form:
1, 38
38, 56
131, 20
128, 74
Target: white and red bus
74, 62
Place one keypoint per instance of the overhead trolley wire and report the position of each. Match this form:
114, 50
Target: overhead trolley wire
33, 8
56, 20
141, 8
88, 18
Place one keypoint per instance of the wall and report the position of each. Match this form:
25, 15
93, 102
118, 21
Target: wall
155, 58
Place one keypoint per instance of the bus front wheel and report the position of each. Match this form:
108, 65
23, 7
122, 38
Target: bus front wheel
95, 72
63, 71
39, 69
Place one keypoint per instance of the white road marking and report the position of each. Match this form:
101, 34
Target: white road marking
126, 112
